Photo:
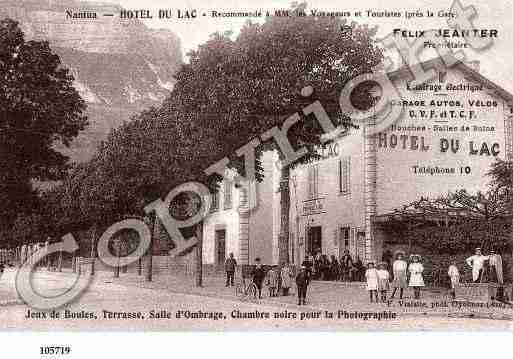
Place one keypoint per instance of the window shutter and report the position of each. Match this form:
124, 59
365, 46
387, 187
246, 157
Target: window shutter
344, 170
227, 194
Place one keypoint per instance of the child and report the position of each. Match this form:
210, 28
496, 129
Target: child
272, 281
286, 278
454, 274
416, 280
400, 281
371, 275
383, 281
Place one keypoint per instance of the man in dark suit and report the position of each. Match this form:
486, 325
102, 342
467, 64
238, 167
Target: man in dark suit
346, 262
229, 266
302, 281
258, 276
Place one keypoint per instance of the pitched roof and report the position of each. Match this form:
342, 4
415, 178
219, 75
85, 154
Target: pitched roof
467, 71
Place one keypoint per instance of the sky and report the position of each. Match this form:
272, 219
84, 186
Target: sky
496, 62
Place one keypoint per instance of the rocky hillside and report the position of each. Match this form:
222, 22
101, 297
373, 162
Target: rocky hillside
120, 66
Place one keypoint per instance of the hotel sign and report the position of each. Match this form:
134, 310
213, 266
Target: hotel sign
313, 206
325, 152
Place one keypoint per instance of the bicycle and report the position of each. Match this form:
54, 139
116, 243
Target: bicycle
244, 292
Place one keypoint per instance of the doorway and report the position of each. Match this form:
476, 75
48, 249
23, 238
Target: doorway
314, 240
344, 241
220, 244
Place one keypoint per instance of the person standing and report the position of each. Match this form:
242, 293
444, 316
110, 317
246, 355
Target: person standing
383, 280
324, 267
334, 268
387, 258
359, 270
372, 278
399, 269
308, 262
258, 276
477, 263
317, 265
495, 261
229, 266
302, 281
416, 280
454, 274
346, 262
272, 281
286, 278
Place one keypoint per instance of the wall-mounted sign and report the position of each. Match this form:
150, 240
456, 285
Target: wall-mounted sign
313, 206
327, 151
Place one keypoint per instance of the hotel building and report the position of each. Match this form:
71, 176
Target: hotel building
449, 133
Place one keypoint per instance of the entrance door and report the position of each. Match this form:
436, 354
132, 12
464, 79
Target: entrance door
220, 246
314, 240
344, 241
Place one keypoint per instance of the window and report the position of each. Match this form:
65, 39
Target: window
344, 233
313, 181
215, 201
344, 174
343, 240
227, 194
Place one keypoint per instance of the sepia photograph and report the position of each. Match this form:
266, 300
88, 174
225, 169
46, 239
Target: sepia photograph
207, 166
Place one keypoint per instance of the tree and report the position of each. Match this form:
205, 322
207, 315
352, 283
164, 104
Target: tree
138, 163
231, 92
459, 221
39, 108
501, 172
242, 87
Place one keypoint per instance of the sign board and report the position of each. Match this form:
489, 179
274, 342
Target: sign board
474, 292
313, 206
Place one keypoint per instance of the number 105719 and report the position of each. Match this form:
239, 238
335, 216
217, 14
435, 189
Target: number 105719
55, 350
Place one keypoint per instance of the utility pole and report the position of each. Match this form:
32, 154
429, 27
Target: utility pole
93, 249
117, 248
199, 254
149, 266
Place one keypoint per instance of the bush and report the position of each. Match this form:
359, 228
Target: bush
462, 237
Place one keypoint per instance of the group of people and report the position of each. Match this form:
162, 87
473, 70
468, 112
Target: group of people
485, 269
322, 267
404, 275
380, 278
494, 265
278, 280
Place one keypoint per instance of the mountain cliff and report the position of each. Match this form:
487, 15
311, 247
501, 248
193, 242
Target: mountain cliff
120, 66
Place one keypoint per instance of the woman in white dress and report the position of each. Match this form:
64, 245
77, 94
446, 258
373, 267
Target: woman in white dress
400, 276
371, 275
416, 280
454, 274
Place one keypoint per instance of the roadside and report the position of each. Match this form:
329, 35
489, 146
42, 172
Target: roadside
322, 296
331, 296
